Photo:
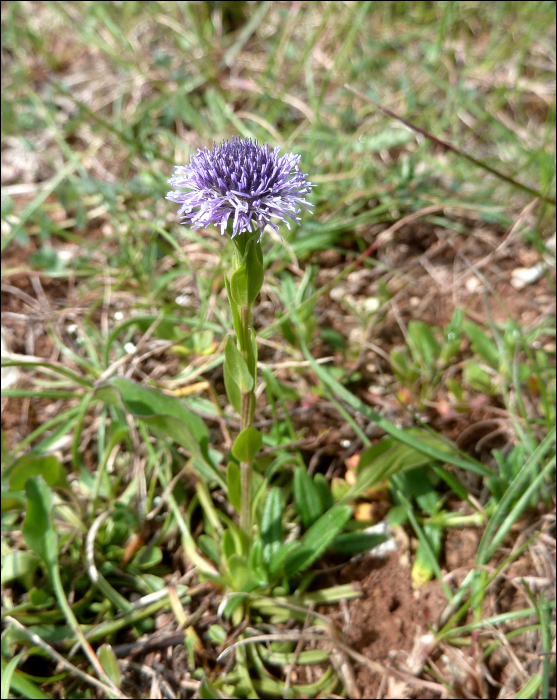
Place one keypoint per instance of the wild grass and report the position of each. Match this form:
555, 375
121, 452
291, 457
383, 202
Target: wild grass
392, 328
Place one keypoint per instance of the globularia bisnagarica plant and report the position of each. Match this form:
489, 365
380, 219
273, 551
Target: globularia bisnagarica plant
241, 186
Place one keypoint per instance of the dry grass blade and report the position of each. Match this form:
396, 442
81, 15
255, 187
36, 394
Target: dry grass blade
107, 689
448, 147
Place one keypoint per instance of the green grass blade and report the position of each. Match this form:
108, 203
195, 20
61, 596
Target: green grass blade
502, 520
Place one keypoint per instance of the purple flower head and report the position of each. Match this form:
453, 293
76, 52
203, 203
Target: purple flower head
242, 180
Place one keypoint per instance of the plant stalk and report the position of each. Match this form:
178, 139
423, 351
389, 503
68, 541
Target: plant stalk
248, 405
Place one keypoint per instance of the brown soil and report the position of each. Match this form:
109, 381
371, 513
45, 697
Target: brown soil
391, 619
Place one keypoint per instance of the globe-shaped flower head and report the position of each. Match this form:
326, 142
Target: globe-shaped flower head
242, 180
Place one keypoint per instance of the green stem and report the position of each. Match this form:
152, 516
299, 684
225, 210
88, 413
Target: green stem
248, 406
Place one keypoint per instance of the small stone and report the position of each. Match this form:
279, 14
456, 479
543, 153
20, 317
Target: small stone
473, 284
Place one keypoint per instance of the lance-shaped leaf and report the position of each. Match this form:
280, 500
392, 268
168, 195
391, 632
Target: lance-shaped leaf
38, 531
237, 366
247, 280
271, 525
233, 391
164, 414
316, 540
306, 497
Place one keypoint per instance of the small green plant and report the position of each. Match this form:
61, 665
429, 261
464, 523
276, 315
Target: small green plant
419, 365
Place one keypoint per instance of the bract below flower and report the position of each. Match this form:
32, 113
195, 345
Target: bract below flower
243, 182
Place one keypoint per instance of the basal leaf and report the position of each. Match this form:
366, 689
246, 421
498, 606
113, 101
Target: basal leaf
481, 344
422, 446
306, 497
48, 467
18, 565
323, 489
280, 554
164, 414
423, 343
316, 540
207, 691
397, 457
271, 524
38, 531
354, 542
109, 662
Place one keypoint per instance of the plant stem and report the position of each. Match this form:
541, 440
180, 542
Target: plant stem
248, 405
245, 505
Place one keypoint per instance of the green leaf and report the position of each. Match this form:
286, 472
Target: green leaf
240, 573
390, 457
209, 547
232, 390
306, 497
247, 444
375, 451
8, 671
423, 343
339, 488
234, 308
481, 344
229, 544
237, 366
453, 336
231, 608
427, 555
325, 496
164, 414
11, 678
353, 542
40, 598
477, 377
414, 483
19, 565
37, 529
271, 524
455, 387
233, 479
403, 367
147, 561
280, 555
48, 467
255, 557
530, 689
247, 280
516, 499
335, 339
109, 662
316, 540
46, 258
397, 515
207, 691
217, 634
